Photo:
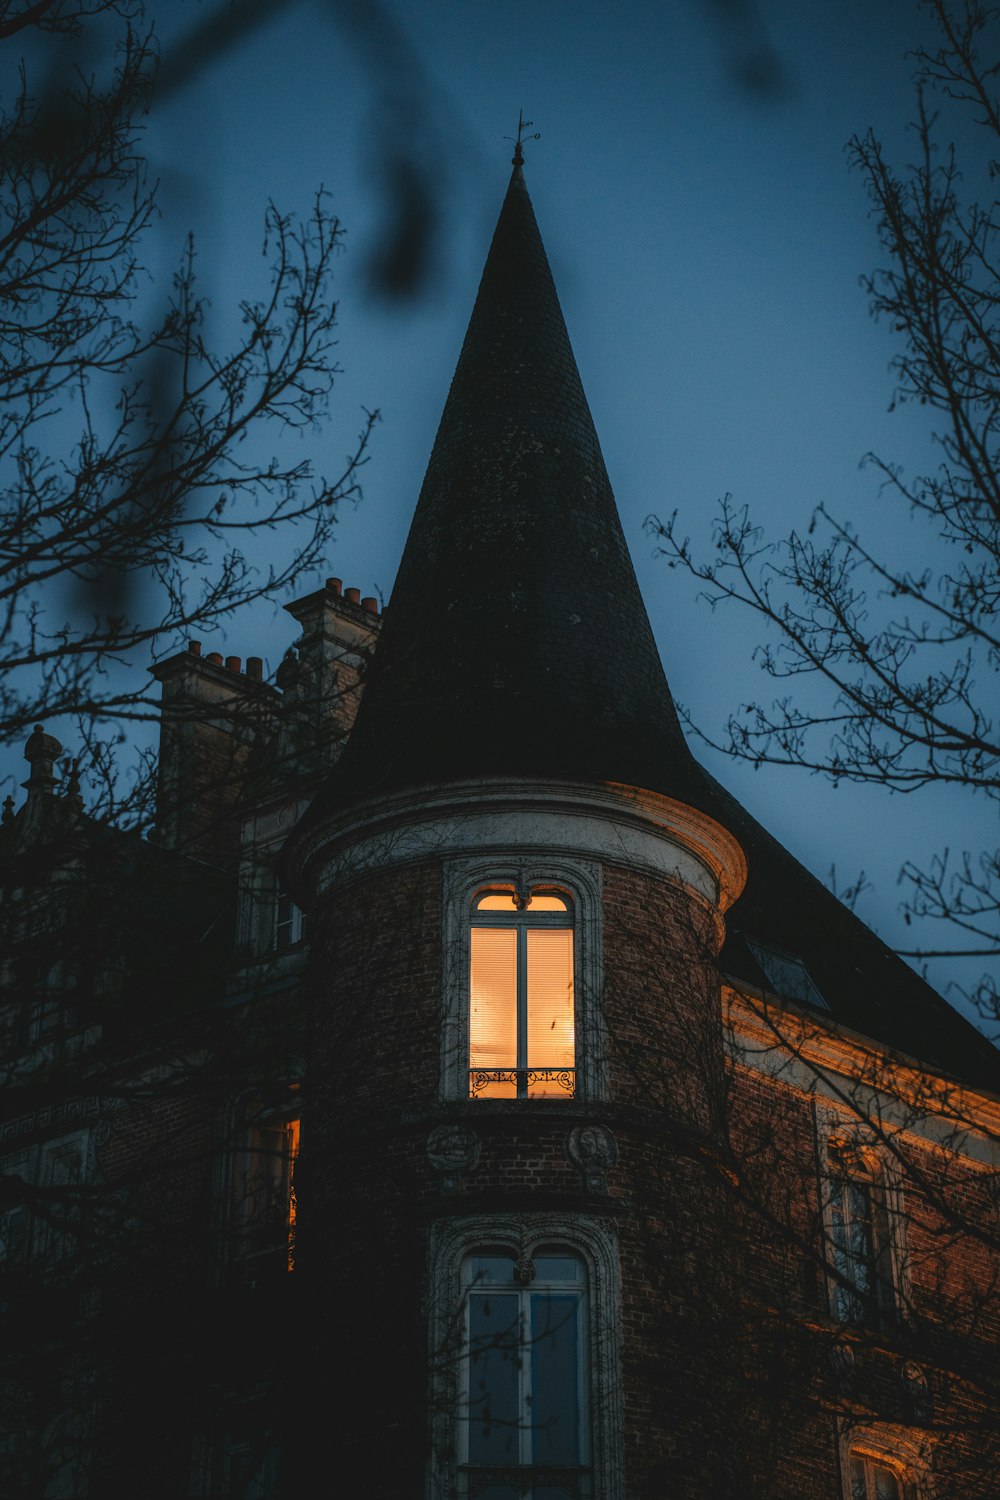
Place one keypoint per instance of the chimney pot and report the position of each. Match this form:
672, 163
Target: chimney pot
370, 604
255, 668
215, 657
233, 663
335, 585
194, 647
354, 595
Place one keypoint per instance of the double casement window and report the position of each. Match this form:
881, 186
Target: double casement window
522, 975
860, 1249
524, 1322
524, 1430
884, 1462
522, 1008
871, 1479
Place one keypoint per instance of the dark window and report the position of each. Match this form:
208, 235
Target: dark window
524, 1428
289, 921
859, 1238
786, 974
873, 1480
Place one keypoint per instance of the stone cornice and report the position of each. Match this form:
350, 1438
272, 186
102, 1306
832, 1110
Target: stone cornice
606, 821
801, 1051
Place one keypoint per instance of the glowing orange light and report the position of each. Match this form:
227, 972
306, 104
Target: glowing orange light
293, 1151
521, 1011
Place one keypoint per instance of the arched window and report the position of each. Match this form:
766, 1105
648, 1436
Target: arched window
871, 1479
524, 1418
522, 1011
883, 1463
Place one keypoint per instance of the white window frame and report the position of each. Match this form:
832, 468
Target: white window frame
581, 880
597, 1246
882, 1176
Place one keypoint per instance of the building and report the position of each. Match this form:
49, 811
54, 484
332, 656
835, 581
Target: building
631, 1164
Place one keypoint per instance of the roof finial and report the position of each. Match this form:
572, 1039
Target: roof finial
517, 160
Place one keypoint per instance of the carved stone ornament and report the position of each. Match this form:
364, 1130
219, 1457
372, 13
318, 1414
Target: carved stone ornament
842, 1363
452, 1150
594, 1150
916, 1391
524, 1270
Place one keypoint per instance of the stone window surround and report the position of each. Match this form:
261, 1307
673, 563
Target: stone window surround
597, 1244
901, 1449
582, 879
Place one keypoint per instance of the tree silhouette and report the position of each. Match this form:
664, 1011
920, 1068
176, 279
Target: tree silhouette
897, 668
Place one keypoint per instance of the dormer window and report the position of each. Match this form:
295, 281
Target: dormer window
786, 974
522, 1010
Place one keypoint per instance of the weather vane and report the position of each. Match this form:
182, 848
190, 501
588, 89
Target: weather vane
523, 125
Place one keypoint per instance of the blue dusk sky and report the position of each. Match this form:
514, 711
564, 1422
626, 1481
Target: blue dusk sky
707, 237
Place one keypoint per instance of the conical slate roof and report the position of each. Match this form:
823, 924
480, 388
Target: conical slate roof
516, 641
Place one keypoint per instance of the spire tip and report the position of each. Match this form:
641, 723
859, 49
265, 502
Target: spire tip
523, 125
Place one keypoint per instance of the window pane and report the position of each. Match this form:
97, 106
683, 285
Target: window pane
493, 1007
494, 1369
853, 1247
859, 1487
490, 1268
552, 1266
496, 901
555, 1413
550, 1002
546, 903
886, 1483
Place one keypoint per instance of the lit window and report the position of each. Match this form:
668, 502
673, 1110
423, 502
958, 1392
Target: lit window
524, 1423
522, 1023
264, 1205
859, 1236
872, 1479
289, 921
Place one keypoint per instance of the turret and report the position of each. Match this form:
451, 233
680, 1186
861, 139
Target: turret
515, 1138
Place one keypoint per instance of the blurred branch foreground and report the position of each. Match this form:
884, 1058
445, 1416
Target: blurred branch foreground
134, 461
430, 1081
